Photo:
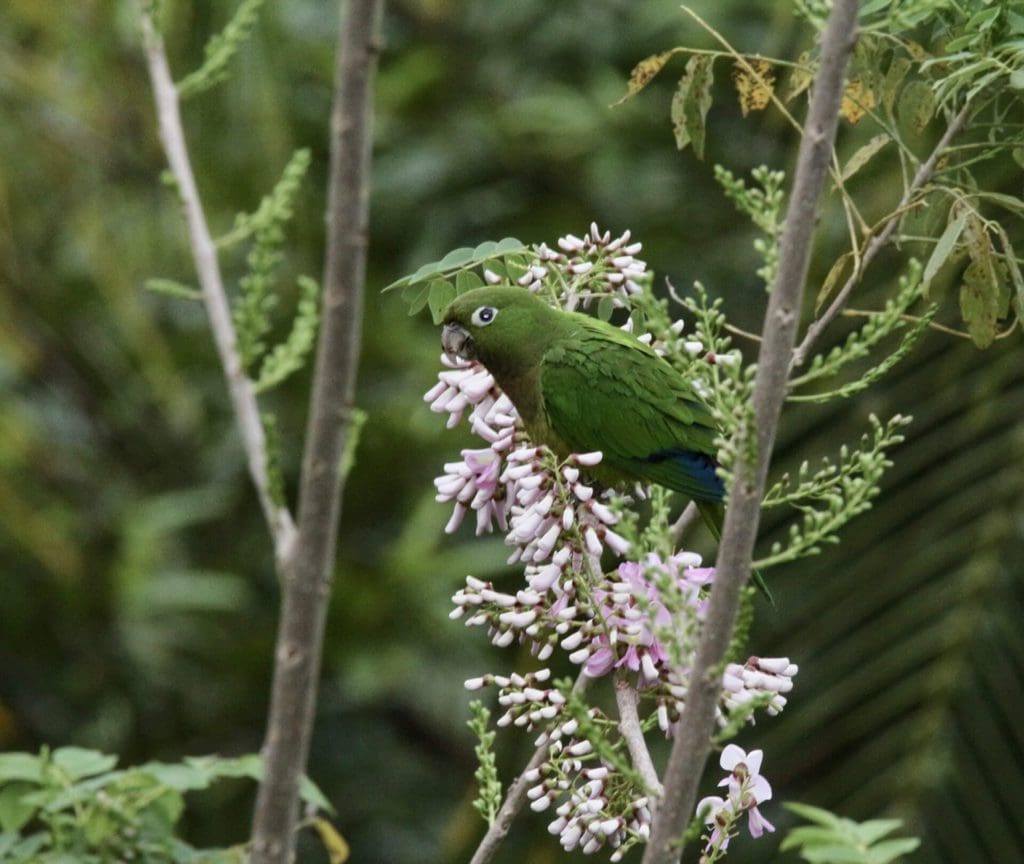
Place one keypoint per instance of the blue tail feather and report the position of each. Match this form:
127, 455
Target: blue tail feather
697, 472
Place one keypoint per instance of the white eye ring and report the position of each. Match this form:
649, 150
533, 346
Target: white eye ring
483, 316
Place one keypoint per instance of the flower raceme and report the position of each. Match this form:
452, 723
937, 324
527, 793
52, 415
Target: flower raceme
639, 620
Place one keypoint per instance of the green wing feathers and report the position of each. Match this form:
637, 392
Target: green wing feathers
603, 390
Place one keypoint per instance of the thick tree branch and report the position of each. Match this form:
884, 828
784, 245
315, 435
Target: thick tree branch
308, 572
204, 251
693, 736
879, 241
515, 798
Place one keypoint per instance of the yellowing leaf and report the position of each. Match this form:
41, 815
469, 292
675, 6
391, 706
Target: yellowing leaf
917, 104
800, 77
755, 83
829, 285
644, 72
898, 69
916, 51
979, 305
337, 849
944, 246
985, 292
691, 102
864, 155
857, 100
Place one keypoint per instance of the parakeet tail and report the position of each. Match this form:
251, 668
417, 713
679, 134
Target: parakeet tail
713, 514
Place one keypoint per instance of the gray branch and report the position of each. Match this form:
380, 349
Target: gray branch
693, 736
308, 572
626, 698
204, 251
879, 241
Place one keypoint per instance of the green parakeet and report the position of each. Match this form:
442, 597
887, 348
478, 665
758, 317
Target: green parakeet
582, 385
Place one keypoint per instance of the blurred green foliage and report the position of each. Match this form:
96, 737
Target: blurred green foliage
139, 597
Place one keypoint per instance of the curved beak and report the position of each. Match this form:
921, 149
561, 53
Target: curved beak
457, 342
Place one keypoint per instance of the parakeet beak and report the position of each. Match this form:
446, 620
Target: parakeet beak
457, 342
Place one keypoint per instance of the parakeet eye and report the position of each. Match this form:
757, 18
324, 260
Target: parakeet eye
483, 316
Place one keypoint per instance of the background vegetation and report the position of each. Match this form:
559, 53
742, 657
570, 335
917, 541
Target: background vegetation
138, 595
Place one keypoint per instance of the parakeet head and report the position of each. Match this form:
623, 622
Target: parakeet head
505, 328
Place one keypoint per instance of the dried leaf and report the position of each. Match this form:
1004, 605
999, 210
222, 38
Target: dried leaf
858, 99
864, 155
691, 102
644, 72
755, 83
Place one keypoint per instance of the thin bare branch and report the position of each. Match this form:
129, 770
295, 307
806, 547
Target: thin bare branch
215, 299
308, 572
687, 519
879, 241
693, 736
515, 798
629, 727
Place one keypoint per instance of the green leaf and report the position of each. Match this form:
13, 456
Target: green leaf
814, 814
416, 296
875, 829
220, 50
78, 762
171, 288
810, 835
467, 280
21, 766
441, 293
691, 102
890, 850
605, 307
456, 258
311, 794
181, 777
832, 855
459, 259
290, 356
15, 810
944, 246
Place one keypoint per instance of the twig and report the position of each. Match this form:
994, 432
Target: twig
693, 735
879, 241
516, 796
308, 571
629, 727
687, 519
204, 251
934, 325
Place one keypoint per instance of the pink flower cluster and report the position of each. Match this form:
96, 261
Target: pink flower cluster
632, 612
760, 678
